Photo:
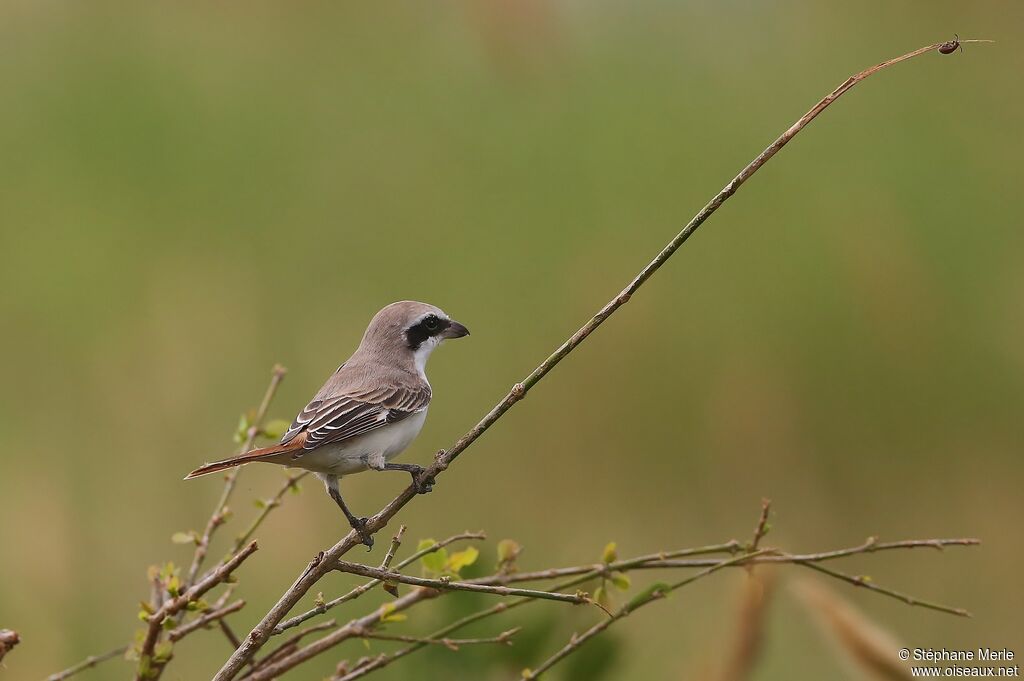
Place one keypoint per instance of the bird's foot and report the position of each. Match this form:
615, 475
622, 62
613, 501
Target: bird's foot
422, 484
359, 525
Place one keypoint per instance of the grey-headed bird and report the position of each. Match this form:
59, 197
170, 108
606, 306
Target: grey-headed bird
369, 410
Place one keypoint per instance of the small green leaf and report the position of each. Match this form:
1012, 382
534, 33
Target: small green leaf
388, 614
167, 624
424, 544
189, 537
610, 553
601, 596
319, 600
242, 431
463, 558
146, 607
435, 562
197, 606
646, 595
162, 651
259, 503
143, 616
275, 429
621, 581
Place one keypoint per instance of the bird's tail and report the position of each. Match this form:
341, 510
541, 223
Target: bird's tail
265, 454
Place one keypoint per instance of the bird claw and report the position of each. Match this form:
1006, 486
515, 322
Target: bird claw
359, 525
421, 484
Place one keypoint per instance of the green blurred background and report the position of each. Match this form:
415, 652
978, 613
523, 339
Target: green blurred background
190, 193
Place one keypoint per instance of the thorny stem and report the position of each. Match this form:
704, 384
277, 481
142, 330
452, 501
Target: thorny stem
324, 562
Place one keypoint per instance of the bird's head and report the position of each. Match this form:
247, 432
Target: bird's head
409, 329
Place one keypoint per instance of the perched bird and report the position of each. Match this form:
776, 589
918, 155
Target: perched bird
369, 410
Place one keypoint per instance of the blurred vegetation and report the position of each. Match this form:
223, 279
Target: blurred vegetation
191, 193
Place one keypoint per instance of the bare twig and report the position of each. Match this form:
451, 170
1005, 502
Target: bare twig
8, 639
865, 581
87, 663
504, 637
367, 622
203, 620
291, 644
291, 482
445, 584
762, 524
219, 514
172, 606
583, 573
360, 590
656, 592
321, 566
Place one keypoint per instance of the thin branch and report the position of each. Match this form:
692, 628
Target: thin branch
87, 663
446, 584
341, 634
657, 592
291, 482
291, 644
206, 618
864, 581
396, 541
229, 634
444, 458
592, 570
219, 514
173, 606
504, 638
762, 524
360, 590
583, 573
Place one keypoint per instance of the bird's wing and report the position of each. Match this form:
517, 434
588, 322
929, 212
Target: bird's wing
357, 412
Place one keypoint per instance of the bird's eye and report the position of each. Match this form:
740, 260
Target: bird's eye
431, 323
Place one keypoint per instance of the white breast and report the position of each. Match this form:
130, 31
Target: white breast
351, 455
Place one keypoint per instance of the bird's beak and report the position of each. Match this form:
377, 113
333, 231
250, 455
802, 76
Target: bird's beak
455, 330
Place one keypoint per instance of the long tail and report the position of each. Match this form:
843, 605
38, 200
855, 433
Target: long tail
265, 454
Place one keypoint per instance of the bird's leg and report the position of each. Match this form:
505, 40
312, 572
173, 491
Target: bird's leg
358, 524
421, 486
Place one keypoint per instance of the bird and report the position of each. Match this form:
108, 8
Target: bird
370, 409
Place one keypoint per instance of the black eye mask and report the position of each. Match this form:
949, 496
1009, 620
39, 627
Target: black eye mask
429, 326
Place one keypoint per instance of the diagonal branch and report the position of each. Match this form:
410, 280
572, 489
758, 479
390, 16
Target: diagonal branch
363, 588
87, 663
445, 584
219, 514
323, 564
173, 606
